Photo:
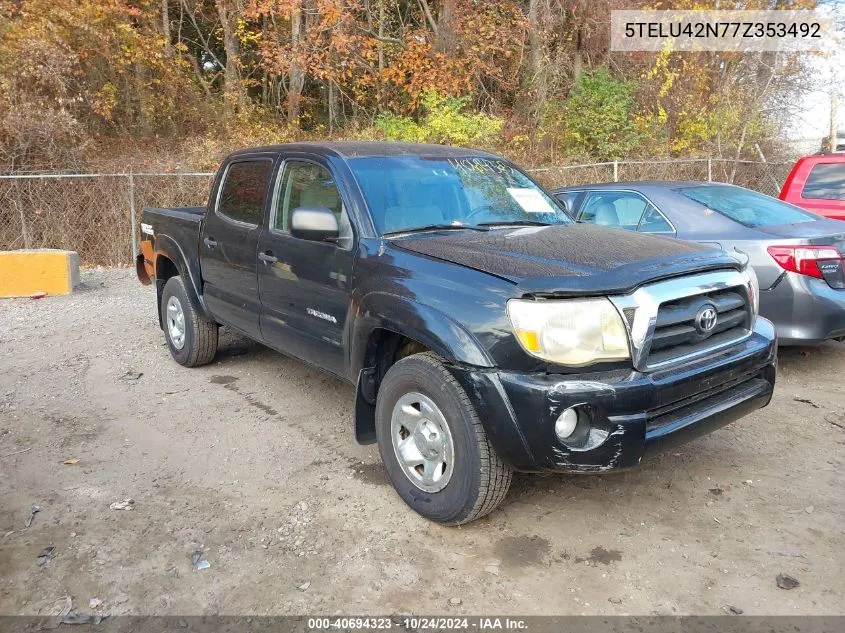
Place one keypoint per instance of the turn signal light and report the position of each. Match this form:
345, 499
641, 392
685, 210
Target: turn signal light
803, 260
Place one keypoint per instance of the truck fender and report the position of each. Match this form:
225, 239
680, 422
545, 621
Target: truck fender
166, 246
426, 325
429, 326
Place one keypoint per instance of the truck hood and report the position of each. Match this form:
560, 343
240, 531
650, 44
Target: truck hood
571, 259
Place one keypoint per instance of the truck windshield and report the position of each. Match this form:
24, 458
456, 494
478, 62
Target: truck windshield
746, 207
406, 193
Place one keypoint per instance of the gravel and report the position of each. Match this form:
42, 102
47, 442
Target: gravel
252, 461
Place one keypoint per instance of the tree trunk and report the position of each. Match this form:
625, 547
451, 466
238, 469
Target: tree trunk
379, 83
332, 105
165, 28
428, 16
539, 75
297, 75
265, 78
142, 122
232, 94
578, 59
445, 38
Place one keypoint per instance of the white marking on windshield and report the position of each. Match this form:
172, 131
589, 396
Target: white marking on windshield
530, 200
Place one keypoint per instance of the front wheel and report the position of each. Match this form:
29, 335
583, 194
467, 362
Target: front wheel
434, 447
191, 337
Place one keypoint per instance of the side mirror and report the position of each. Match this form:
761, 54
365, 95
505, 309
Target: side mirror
317, 224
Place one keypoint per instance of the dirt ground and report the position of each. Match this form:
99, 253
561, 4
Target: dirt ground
252, 460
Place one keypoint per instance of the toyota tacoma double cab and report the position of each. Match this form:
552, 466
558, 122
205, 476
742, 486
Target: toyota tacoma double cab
484, 331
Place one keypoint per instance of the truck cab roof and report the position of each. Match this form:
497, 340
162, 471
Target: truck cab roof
369, 149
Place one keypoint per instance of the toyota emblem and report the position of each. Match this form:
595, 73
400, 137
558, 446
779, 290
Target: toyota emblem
705, 319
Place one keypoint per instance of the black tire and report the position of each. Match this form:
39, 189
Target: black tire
480, 479
200, 342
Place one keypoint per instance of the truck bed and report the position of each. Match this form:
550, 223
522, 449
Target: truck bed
181, 223
179, 227
188, 214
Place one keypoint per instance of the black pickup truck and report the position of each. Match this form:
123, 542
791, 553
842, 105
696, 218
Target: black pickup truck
484, 330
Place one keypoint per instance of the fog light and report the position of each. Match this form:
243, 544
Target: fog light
566, 423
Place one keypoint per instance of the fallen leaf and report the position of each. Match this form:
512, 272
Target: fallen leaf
71, 461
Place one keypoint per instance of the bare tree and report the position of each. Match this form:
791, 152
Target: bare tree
228, 11
165, 28
297, 74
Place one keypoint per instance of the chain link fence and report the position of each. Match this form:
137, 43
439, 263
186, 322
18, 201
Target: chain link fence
97, 215
763, 177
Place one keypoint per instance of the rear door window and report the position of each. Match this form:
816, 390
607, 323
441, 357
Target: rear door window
826, 181
623, 209
244, 191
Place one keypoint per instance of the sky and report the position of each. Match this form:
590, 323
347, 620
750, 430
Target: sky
812, 119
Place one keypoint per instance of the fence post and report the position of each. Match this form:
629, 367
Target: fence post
710, 169
132, 215
616, 170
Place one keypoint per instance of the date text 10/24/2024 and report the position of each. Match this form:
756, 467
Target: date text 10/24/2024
417, 623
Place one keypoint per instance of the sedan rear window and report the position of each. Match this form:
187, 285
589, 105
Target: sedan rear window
745, 206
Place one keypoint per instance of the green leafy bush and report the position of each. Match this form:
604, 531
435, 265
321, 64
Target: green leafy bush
443, 121
598, 118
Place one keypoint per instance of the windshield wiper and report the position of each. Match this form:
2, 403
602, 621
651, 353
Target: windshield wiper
438, 227
516, 223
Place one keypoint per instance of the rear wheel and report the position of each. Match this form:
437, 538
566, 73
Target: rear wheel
434, 447
192, 338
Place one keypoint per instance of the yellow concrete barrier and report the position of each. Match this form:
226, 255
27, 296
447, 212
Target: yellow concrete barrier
25, 273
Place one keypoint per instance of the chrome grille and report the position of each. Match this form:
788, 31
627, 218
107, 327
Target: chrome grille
678, 331
661, 317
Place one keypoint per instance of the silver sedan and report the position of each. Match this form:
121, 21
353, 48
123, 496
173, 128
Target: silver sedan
797, 255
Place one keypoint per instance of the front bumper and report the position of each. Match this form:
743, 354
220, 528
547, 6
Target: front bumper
631, 412
804, 310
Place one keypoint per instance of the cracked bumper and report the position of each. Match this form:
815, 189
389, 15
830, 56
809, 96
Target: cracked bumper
632, 413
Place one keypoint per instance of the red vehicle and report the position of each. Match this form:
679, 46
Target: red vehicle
817, 183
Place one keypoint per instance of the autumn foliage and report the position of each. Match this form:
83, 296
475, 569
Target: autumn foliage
178, 82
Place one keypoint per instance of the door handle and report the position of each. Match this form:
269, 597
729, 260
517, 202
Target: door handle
210, 242
267, 257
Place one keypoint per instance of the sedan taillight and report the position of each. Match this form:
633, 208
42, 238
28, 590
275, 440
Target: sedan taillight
804, 260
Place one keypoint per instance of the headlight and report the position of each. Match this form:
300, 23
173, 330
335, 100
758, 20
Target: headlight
569, 331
